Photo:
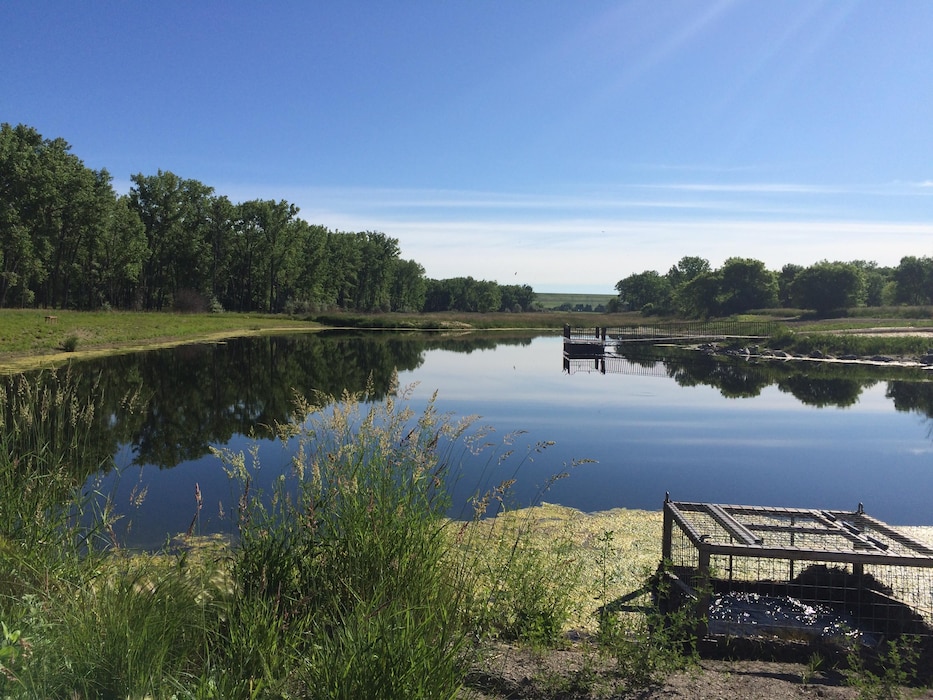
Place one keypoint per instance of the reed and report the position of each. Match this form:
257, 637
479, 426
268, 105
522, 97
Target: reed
346, 580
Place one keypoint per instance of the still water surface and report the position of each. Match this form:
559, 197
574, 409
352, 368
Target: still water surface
726, 434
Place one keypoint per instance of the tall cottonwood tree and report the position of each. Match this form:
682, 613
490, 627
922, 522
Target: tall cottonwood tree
378, 257
642, 289
21, 152
117, 260
408, 286
270, 235
51, 208
175, 215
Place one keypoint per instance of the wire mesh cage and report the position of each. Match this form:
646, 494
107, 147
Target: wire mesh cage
796, 573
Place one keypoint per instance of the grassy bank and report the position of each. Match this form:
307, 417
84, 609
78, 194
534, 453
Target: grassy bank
33, 338
346, 581
30, 339
28, 335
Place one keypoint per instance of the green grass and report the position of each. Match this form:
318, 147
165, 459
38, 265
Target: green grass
346, 581
860, 345
30, 332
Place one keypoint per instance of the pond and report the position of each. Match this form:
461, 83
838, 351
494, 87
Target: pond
786, 434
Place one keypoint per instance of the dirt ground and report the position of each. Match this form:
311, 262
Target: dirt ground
505, 671
508, 672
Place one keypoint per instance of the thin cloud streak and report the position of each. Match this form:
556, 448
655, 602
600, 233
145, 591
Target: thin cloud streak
598, 253
590, 239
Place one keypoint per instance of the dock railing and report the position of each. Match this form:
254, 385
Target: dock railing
672, 331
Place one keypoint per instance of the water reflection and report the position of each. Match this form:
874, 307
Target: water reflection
199, 395
705, 428
812, 383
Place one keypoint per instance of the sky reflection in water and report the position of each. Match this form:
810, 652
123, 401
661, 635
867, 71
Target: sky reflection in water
648, 436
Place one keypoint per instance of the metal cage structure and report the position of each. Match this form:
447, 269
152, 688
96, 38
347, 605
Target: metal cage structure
756, 571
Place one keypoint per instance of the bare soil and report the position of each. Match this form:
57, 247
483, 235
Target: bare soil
509, 672
578, 671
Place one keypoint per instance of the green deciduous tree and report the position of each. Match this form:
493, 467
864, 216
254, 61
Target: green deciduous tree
746, 284
876, 280
517, 297
118, 259
176, 215
699, 297
378, 257
914, 278
638, 290
785, 279
271, 239
687, 268
826, 286
409, 286
52, 211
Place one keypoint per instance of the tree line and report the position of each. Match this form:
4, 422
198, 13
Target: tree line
692, 288
67, 240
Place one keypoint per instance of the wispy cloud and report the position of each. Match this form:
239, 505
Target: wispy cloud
758, 188
591, 237
598, 253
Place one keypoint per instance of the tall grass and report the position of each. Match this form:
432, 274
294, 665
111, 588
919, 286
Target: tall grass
346, 556
856, 344
347, 578
43, 437
81, 625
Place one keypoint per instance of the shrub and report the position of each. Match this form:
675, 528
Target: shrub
647, 647
191, 301
524, 592
344, 563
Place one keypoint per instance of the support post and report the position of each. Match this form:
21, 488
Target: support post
703, 587
668, 530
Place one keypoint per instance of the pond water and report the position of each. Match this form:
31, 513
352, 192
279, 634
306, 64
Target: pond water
794, 434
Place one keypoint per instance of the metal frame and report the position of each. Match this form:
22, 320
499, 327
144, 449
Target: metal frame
788, 534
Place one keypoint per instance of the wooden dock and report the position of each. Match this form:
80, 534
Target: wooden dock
593, 340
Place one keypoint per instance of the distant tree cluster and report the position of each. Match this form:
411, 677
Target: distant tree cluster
692, 288
468, 294
67, 240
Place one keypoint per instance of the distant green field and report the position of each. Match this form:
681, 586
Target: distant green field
555, 300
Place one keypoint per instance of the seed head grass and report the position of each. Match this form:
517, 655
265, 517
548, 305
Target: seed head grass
346, 578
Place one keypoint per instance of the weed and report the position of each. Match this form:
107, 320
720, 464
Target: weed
813, 666
11, 648
524, 584
347, 579
608, 629
896, 667
342, 567
647, 647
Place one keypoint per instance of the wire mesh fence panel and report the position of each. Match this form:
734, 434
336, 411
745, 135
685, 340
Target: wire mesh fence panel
753, 569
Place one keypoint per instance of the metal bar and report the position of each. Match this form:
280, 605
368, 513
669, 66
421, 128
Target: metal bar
846, 529
685, 524
732, 526
872, 557
895, 535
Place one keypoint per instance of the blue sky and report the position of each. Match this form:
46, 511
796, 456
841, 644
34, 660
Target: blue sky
564, 145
